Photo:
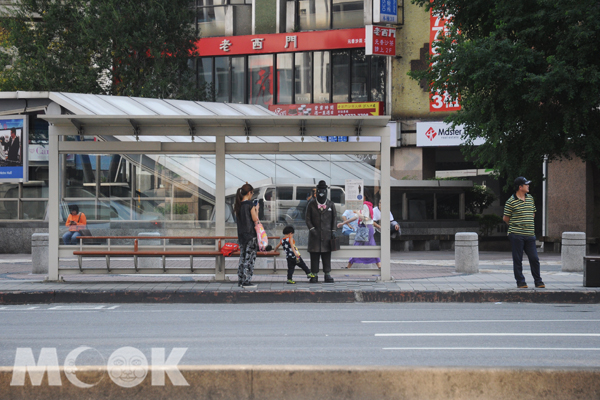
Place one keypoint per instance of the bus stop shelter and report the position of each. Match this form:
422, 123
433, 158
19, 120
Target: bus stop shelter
212, 135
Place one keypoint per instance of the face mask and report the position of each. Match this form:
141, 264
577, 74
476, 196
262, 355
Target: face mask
322, 193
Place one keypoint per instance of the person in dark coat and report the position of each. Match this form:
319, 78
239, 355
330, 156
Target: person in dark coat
13, 147
321, 219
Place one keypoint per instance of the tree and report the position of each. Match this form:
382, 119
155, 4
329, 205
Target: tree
527, 73
478, 198
118, 47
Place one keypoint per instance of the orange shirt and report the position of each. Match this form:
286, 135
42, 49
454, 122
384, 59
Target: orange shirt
79, 219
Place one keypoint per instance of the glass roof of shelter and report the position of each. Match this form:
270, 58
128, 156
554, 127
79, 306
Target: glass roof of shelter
200, 170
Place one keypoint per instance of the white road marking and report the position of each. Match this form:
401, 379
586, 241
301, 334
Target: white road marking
76, 308
479, 320
488, 334
112, 308
498, 348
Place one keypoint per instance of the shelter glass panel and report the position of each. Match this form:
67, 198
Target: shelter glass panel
34, 209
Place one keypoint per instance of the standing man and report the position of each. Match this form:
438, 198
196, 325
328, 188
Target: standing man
519, 212
321, 219
13, 147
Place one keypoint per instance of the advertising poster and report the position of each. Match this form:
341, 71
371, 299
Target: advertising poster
13, 148
354, 193
326, 109
438, 26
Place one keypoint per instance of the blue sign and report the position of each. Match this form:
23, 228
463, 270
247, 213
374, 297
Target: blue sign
388, 11
13, 148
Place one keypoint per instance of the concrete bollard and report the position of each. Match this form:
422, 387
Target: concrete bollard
39, 253
466, 252
150, 262
572, 251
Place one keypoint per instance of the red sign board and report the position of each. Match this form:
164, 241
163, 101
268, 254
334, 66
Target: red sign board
439, 101
282, 42
380, 41
350, 109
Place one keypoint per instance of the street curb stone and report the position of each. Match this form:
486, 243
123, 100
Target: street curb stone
271, 296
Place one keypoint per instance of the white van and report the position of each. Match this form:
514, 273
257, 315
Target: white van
287, 203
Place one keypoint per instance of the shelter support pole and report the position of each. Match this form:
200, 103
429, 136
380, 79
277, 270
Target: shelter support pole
53, 202
220, 202
385, 204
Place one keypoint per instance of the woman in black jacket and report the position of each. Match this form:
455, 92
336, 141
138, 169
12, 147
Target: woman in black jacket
247, 215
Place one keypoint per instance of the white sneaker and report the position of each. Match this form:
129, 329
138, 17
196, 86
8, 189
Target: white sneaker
249, 286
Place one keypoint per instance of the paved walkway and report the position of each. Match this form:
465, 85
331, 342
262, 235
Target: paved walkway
418, 276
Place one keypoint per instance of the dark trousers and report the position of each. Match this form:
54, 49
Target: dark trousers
292, 266
520, 244
314, 262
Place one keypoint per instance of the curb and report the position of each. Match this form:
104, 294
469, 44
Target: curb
248, 382
270, 296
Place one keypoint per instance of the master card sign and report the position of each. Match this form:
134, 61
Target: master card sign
13, 149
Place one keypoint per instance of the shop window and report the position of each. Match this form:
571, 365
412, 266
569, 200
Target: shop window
360, 76
238, 68
321, 87
260, 83
378, 78
337, 76
302, 77
222, 79
341, 75
284, 78
205, 76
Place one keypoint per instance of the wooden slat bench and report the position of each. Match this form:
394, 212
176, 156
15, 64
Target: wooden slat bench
163, 253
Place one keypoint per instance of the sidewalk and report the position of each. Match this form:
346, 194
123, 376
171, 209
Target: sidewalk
418, 276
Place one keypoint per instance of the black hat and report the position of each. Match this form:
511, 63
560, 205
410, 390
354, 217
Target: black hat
322, 185
521, 181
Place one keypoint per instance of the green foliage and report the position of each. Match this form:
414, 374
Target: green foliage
487, 223
178, 209
528, 76
478, 198
117, 47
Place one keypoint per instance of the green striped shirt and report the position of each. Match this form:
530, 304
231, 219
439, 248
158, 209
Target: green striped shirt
521, 215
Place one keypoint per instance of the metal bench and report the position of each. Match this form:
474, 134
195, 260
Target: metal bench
135, 252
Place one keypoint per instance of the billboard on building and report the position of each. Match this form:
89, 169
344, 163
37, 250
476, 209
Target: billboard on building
385, 11
439, 102
380, 41
434, 134
13, 148
350, 109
